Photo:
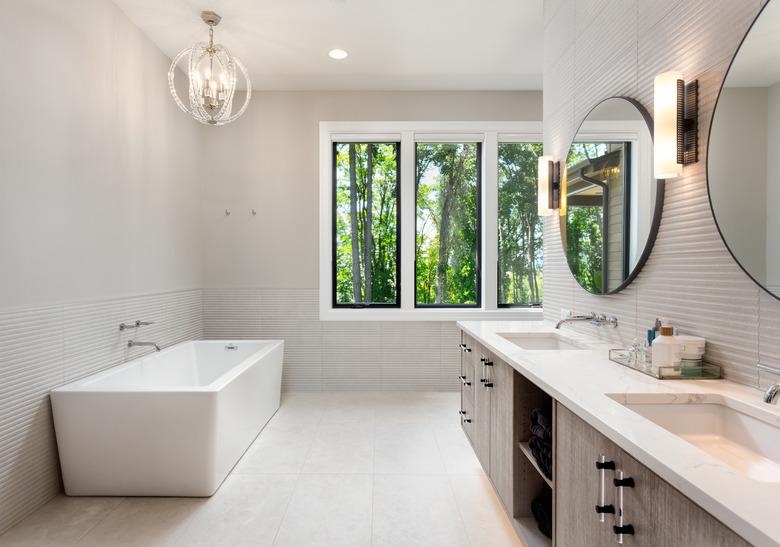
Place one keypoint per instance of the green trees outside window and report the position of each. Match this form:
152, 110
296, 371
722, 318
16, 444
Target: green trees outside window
520, 251
447, 250
366, 224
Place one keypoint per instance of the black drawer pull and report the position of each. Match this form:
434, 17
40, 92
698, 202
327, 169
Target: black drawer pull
462, 412
605, 509
488, 384
467, 420
628, 482
626, 530
605, 465
488, 363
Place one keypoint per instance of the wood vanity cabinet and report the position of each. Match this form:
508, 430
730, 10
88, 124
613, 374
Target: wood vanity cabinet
497, 404
659, 514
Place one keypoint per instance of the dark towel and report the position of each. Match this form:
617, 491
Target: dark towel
541, 509
542, 453
541, 424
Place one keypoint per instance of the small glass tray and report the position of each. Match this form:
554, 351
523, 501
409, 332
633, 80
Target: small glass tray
627, 358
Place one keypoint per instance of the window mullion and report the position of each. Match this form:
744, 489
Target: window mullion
408, 219
490, 222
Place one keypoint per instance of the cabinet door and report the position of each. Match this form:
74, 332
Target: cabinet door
503, 437
659, 514
663, 516
577, 483
482, 396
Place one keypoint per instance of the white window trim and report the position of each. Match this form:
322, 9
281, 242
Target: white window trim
408, 133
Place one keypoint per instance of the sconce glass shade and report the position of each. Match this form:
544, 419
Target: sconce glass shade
665, 164
544, 184
213, 75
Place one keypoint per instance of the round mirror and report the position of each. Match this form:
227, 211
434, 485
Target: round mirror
611, 204
744, 188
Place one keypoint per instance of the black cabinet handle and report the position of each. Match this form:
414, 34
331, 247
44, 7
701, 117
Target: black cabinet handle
462, 412
488, 384
605, 465
625, 529
600, 509
467, 420
488, 363
628, 482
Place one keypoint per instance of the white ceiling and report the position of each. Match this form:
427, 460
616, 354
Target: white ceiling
756, 62
392, 45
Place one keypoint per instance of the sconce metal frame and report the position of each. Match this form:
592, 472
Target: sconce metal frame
687, 122
554, 182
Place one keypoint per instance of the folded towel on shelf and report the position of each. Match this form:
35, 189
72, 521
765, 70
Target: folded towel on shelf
541, 509
542, 453
541, 425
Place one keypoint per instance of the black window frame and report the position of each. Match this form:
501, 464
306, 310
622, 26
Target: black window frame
334, 226
498, 246
478, 304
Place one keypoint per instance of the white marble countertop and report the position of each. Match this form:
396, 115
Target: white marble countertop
580, 380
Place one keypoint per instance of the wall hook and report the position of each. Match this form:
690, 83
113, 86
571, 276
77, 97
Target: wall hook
254, 212
227, 212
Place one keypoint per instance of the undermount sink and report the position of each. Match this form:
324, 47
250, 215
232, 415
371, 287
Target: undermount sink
541, 341
743, 437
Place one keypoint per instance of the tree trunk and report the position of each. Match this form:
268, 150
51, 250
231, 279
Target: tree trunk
449, 191
369, 238
531, 265
353, 218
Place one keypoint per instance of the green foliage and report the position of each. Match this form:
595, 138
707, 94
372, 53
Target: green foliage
584, 237
447, 235
520, 252
585, 245
373, 251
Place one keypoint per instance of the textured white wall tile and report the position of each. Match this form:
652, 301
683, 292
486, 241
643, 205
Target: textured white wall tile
42, 348
690, 278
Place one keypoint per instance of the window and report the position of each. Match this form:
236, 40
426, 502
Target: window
366, 225
520, 252
447, 251
429, 221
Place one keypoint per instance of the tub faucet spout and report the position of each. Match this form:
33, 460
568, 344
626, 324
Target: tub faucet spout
133, 343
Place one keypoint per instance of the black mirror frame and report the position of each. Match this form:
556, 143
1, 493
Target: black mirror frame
657, 208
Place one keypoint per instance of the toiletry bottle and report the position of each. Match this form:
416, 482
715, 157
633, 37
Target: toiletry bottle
666, 352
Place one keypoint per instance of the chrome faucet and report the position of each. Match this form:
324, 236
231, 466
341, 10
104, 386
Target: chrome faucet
772, 394
133, 343
591, 318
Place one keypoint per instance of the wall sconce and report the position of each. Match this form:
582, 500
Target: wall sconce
549, 192
676, 128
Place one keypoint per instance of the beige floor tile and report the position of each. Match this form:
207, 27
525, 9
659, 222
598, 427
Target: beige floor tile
59, 523
245, 512
486, 523
416, 511
143, 522
328, 511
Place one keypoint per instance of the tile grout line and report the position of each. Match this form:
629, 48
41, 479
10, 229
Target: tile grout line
98, 523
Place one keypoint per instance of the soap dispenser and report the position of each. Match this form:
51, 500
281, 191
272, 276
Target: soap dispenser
667, 352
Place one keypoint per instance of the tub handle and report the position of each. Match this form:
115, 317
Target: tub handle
231, 346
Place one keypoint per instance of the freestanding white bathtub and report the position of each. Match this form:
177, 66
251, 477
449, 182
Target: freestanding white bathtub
173, 423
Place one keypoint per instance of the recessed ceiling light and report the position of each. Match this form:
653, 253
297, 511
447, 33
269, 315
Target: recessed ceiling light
337, 54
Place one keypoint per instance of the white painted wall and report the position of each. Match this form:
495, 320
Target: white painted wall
773, 189
738, 173
99, 169
268, 160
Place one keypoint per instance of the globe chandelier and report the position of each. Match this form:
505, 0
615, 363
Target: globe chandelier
212, 73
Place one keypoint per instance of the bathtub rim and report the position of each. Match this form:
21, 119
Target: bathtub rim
78, 386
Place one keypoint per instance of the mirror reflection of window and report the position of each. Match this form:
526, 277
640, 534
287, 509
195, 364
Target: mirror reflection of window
598, 189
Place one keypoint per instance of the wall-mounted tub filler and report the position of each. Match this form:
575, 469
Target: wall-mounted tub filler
133, 343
